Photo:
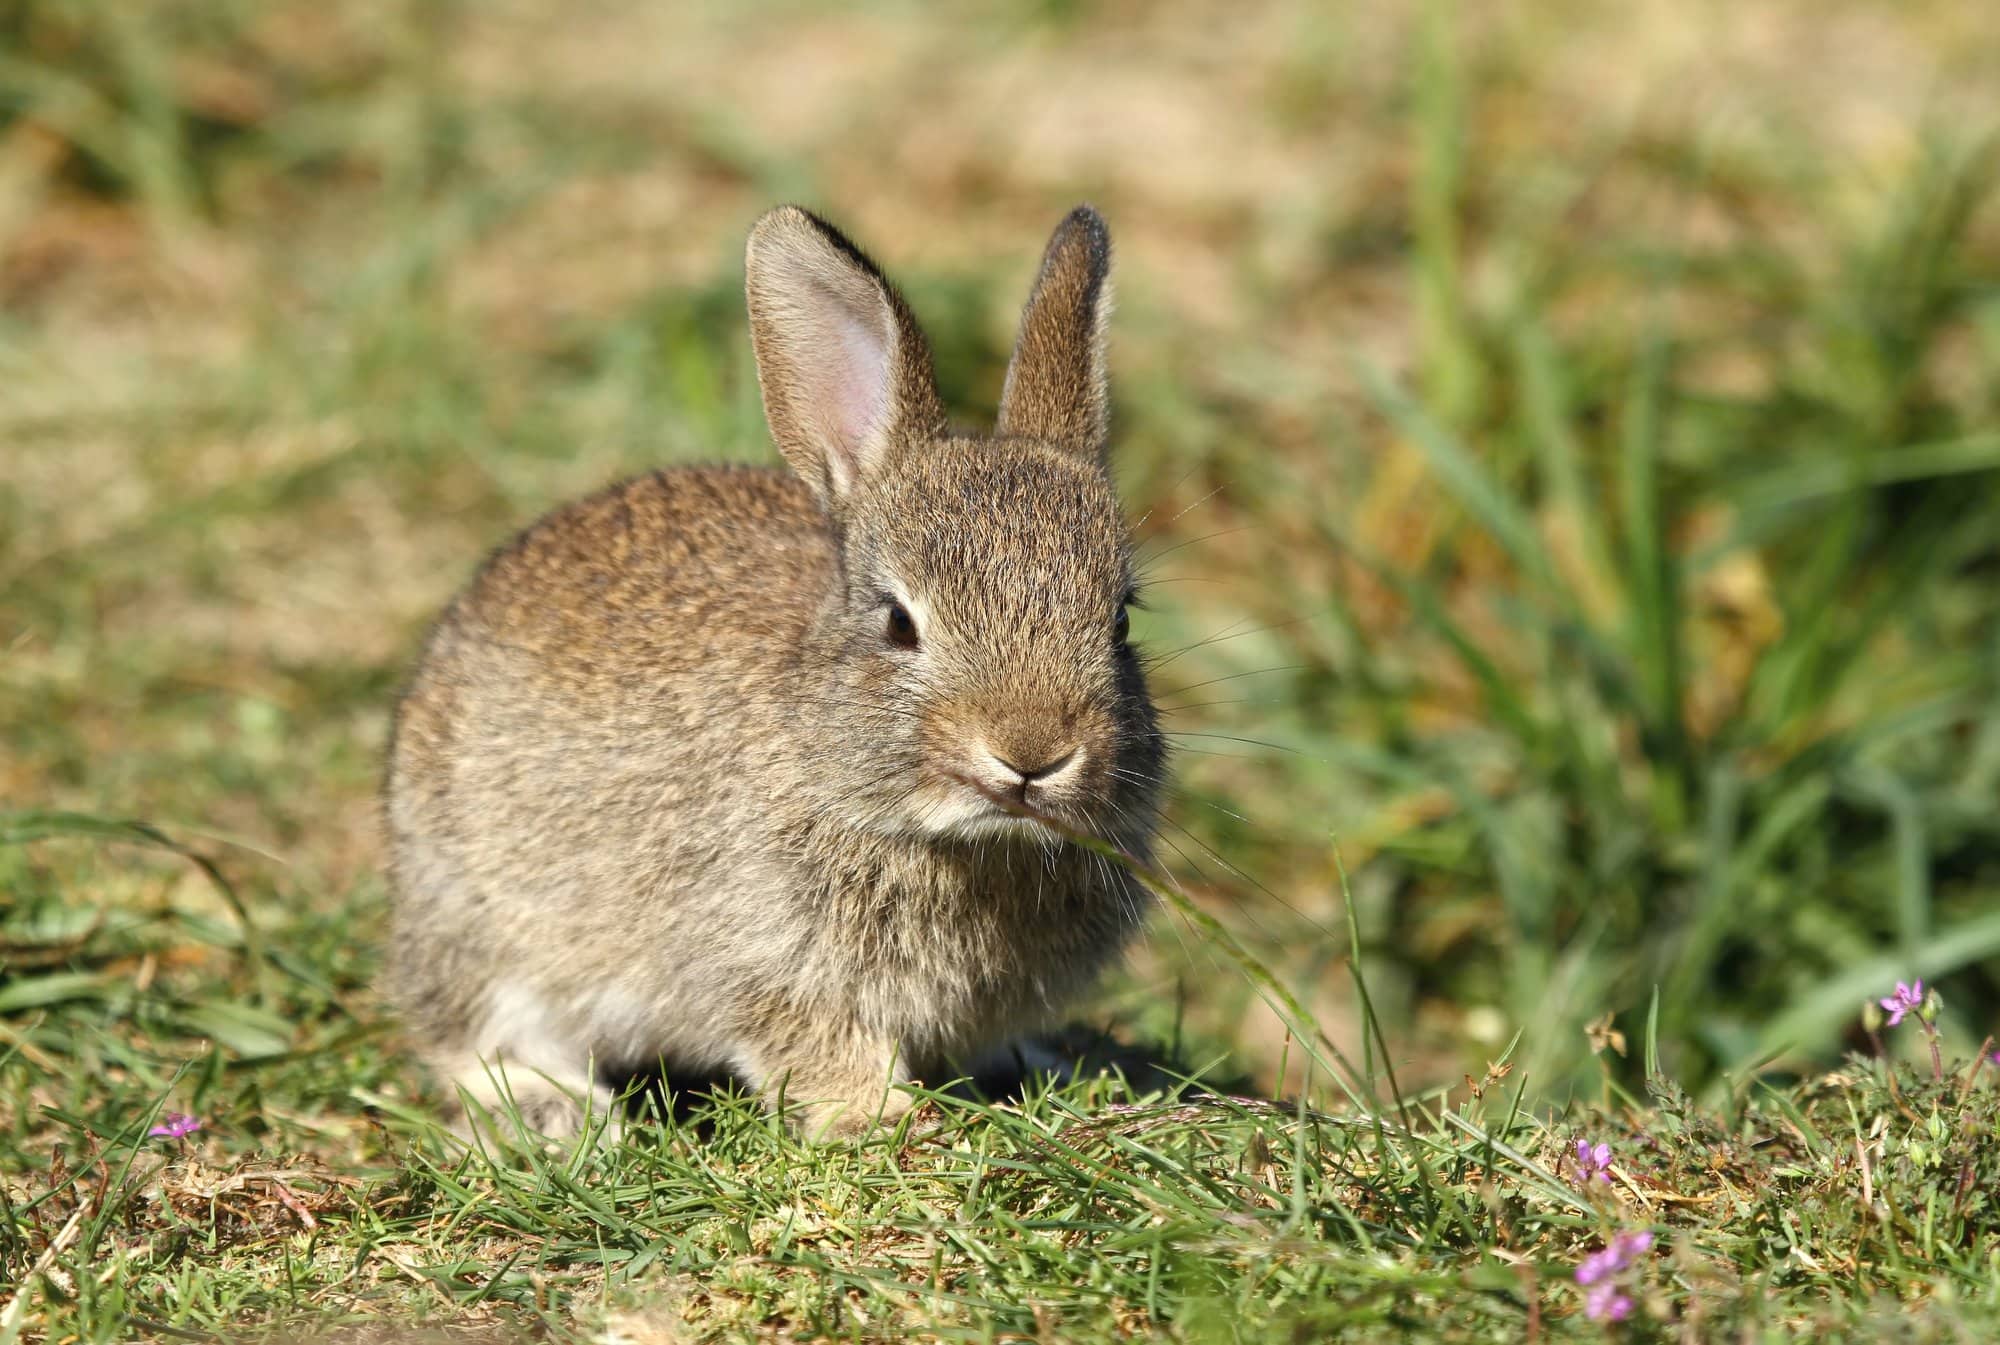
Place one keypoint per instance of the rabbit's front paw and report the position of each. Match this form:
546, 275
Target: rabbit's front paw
511, 1103
832, 1085
834, 1122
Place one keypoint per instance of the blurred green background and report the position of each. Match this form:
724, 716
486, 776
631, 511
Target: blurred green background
1567, 437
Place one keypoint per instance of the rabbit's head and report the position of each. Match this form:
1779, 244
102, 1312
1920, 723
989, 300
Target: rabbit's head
970, 672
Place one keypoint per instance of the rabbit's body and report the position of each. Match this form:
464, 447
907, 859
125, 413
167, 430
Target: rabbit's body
666, 786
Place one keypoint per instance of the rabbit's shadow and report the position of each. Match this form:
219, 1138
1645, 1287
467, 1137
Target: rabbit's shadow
1007, 1073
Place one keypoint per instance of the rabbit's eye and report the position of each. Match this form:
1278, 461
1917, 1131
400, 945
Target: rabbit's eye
1121, 625
902, 628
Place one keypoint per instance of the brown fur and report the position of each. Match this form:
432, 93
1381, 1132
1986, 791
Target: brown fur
661, 786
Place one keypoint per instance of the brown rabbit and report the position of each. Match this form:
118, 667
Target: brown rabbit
736, 767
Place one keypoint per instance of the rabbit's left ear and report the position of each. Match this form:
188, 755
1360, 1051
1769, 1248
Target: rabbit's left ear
846, 373
1057, 389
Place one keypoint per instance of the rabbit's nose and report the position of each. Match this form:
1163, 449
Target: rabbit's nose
1017, 769
1054, 765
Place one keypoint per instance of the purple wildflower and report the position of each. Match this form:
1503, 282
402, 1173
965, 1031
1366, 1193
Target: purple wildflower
1607, 1303
1907, 999
1606, 1299
1593, 1162
1623, 1251
175, 1125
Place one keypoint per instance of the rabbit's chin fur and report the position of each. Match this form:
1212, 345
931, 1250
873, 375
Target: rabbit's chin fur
818, 778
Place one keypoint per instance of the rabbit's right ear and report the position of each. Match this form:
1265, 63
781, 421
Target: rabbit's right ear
1056, 389
844, 369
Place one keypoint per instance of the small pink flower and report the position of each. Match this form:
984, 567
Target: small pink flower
1607, 1303
174, 1125
1907, 999
1602, 1265
1593, 1162
1599, 1272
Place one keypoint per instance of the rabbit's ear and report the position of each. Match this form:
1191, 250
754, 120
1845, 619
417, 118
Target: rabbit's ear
1056, 387
845, 371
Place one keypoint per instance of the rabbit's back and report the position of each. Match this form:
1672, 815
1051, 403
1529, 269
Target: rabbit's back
673, 571
573, 748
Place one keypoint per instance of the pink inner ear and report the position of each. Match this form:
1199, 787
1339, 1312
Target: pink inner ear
857, 391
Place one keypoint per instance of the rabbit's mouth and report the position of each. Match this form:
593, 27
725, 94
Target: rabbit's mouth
975, 808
